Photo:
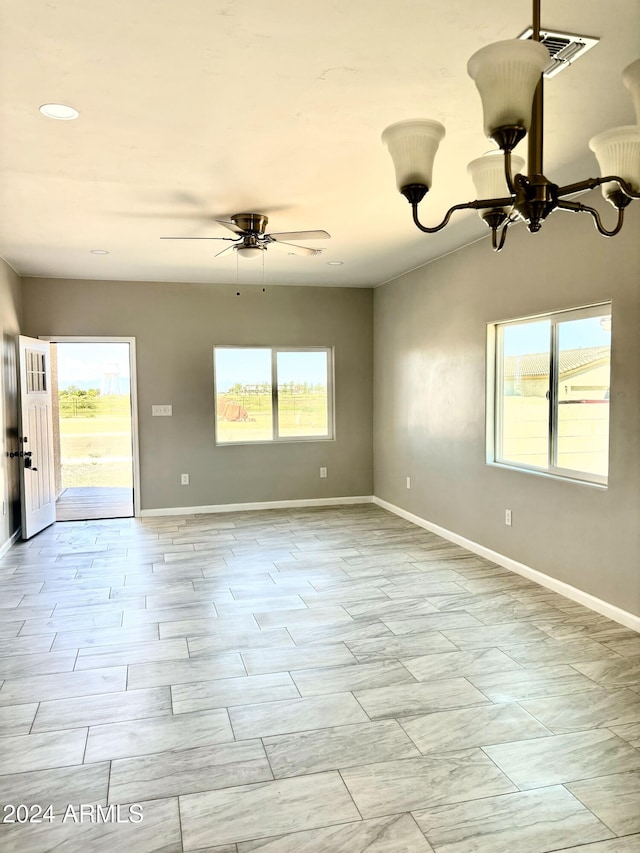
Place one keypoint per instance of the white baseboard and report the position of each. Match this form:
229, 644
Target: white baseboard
4, 548
203, 510
623, 617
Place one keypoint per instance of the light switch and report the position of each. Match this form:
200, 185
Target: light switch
164, 411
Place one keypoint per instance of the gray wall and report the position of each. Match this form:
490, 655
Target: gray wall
10, 318
429, 402
176, 327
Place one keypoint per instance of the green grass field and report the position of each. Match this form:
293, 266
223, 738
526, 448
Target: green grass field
97, 474
299, 415
95, 433
95, 442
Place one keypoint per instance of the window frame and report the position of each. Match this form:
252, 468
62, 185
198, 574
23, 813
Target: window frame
495, 399
276, 438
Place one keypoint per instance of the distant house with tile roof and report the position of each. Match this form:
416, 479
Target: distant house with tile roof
583, 374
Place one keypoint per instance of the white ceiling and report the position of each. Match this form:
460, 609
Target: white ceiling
199, 109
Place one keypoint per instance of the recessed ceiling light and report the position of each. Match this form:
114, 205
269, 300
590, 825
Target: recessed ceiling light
62, 112
99, 251
335, 263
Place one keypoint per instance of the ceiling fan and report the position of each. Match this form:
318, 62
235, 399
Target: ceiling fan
251, 240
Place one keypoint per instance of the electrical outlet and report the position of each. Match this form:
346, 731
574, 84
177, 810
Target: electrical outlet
162, 411
507, 517
184, 480
323, 473
408, 482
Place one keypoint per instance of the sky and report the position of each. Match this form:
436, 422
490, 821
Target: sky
253, 366
78, 362
533, 337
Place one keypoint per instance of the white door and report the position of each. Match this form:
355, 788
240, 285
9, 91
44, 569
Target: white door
37, 487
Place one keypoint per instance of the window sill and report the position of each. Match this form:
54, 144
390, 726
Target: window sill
274, 441
548, 475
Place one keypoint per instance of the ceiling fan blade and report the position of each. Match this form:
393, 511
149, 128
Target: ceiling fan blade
156, 215
296, 250
303, 235
224, 251
185, 197
199, 238
230, 225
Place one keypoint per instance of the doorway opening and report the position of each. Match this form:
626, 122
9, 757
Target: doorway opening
94, 428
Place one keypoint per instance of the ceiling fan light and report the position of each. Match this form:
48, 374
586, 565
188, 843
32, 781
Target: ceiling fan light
487, 174
250, 252
618, 153
506, 74
413, 145
631, 79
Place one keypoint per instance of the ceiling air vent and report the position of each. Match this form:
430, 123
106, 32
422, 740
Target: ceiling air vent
564, 48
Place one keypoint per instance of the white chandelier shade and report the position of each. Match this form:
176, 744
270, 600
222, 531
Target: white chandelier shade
488, 176
618, 153
506, 74
413, 145
631, 79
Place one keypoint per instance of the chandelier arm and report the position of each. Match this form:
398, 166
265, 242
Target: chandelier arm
481, 204
507, 171
626, 188
484, 203
497, 245
576, 207
444, 222
593, 183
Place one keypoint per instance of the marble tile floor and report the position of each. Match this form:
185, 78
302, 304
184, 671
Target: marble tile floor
331, 680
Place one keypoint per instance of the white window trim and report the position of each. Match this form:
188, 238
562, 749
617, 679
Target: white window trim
274, 396
494, 400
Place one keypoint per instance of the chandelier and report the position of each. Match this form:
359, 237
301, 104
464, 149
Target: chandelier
508, 75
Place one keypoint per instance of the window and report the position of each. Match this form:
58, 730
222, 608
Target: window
549, 404
36, 372
273, 394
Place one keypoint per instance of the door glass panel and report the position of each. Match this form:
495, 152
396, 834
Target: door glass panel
36, 372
